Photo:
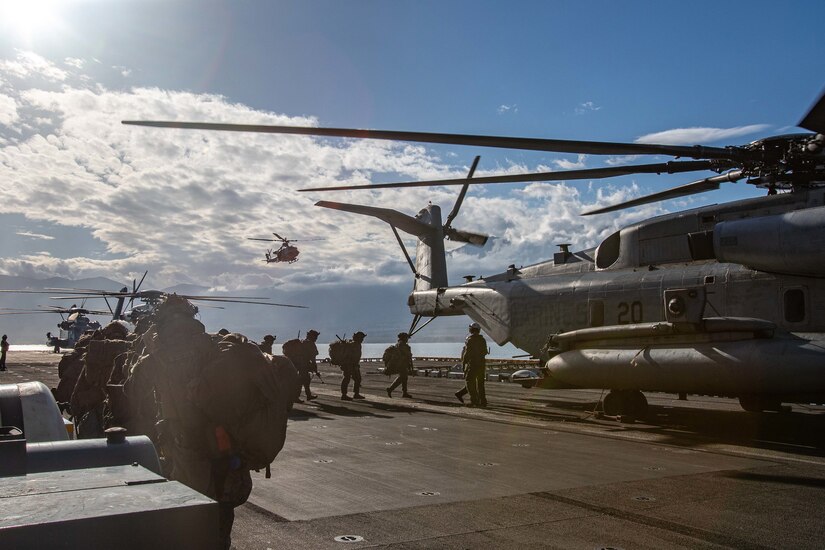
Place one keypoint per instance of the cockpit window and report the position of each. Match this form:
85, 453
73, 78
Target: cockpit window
608, 251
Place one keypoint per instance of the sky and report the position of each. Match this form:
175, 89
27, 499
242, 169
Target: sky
84, 196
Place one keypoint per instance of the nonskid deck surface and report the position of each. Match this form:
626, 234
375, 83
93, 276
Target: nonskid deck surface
535, 469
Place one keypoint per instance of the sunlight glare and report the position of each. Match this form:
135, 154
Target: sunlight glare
27, 18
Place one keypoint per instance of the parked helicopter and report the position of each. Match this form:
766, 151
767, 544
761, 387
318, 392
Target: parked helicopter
286, 253
719, 300
123, 310
74, 322
150, 299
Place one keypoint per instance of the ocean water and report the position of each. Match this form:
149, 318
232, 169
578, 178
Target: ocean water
424, 349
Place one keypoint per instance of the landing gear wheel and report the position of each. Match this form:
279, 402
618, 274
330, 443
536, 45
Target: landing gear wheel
625, 402
612, 403
758, 403
635, 404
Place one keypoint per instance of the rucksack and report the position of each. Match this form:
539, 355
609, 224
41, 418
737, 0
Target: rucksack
294, 349
343, 352
390, 359
248, 395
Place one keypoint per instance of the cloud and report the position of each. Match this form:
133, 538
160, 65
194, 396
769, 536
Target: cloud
692, 136
35, 235
75, 62
586, 107
28, 64
565, 164
8, 110
182, 203
504, 109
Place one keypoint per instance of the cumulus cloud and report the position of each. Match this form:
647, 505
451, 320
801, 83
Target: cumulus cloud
693, 136
8, 110
566, 164
183, 203
28, 64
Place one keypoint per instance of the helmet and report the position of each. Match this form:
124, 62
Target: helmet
475, 326
269, 338
313, 333
359, 336
403, 336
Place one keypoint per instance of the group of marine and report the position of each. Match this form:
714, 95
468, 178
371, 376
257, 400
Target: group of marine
215, 405
398, 360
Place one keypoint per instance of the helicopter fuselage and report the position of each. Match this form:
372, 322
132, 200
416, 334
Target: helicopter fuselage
759, 259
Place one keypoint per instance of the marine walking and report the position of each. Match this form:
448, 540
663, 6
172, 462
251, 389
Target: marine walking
398, 360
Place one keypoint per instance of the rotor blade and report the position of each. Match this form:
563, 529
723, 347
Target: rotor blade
533, 144
454, 212
466, 237
202, 297
700, 186
279, 237
561, 175
405, 223
141, 280
244, 302
256, 239
815, 119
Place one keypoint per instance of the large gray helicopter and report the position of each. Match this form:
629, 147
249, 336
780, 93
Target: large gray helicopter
720, 300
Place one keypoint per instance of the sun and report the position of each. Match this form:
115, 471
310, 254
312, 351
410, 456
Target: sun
27, 18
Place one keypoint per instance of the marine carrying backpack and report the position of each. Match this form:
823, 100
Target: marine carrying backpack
343, 352
294, 349
390, 359
248, 395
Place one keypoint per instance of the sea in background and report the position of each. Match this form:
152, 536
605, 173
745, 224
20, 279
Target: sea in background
423, 349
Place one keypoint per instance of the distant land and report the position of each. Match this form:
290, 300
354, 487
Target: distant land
378, 310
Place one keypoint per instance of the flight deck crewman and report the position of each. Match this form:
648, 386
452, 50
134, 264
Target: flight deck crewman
475, 365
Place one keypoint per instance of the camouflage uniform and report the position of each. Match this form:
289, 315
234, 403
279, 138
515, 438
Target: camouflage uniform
475, 367
403, 365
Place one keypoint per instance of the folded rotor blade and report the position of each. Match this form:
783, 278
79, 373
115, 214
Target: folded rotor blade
534, 144
700, 186
457, 206
458, 235
405, 223
561, 175
815, 119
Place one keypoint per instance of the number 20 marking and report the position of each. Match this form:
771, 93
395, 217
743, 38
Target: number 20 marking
630, 313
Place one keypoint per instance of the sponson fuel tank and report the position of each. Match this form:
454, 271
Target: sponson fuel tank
748, 366
792, 243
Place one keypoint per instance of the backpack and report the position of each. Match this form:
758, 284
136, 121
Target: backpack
343, 353
247, 394
390, 359
294, 349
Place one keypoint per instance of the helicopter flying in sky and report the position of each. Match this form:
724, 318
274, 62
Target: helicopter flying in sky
286, 253
719, 300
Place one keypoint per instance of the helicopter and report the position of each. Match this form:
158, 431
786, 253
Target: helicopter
721, 300
286, 253
74, 323
123, 311
150, 299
